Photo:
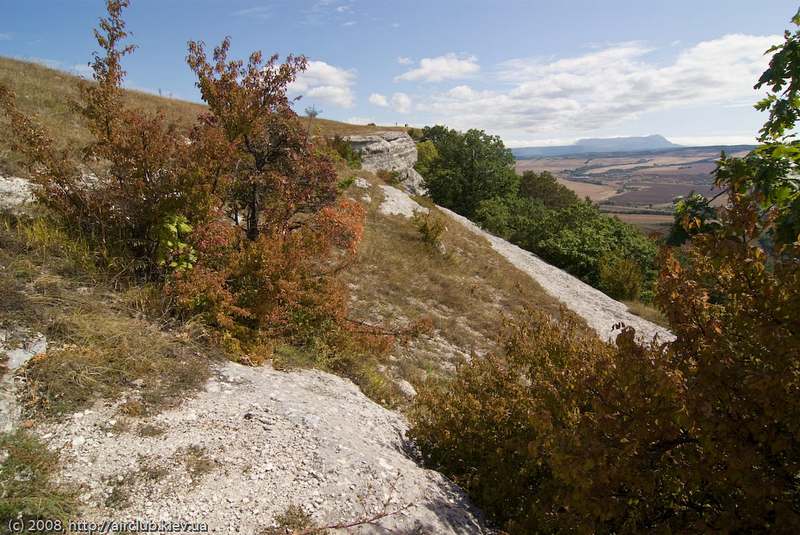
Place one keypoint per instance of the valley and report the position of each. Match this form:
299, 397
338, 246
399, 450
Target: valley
636, 186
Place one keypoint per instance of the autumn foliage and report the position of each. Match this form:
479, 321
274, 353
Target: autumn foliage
562, 432
238, 218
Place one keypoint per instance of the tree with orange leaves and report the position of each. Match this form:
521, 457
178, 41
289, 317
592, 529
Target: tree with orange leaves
562, 432
155, 197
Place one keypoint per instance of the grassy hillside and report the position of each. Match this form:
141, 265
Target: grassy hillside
49, 92
465, 292
466, 289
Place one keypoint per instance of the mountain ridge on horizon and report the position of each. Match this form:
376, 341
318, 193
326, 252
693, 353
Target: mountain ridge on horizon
653, 142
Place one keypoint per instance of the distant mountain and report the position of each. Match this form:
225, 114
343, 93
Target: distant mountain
591, 145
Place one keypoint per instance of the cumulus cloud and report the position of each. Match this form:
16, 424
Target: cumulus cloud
401, 103
378, 100
402, 60
327, 83
607, 86
447, 67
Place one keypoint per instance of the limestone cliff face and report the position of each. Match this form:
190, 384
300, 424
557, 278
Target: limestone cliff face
390, 151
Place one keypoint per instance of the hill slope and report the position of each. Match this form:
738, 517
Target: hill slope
156, 437
48, 92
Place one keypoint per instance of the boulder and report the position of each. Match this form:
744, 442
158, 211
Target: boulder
390, 151
14, 192
412, 181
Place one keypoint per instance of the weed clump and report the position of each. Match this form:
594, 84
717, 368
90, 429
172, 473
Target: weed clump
27, 487
430, 226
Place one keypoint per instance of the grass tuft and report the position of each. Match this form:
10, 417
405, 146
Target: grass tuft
27, 487
648, 312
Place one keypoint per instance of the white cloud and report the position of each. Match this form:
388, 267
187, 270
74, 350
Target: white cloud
5, 37
447, 67
606, 86
327, 11
327, 83
402, 60
378, 100
401, 103
349, 23
722, 139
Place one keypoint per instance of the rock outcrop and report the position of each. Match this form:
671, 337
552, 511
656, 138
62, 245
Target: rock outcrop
14, 192
390, 151
254, 442
17, 346
395, 202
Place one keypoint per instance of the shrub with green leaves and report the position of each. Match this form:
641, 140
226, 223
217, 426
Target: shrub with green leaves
574, 238
174, 251
345, 150
621, 278
430, 226
544, 187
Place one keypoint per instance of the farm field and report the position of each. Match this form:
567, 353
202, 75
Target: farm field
659, 194
647, 223
630, 181
596, 192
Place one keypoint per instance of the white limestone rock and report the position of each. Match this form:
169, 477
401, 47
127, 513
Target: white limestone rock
14, 192
396, 202
390, 151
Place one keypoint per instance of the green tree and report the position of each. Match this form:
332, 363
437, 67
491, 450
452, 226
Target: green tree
693, 214
520, 220
575, 238
564, 433
426, 155
545, 187
471, 167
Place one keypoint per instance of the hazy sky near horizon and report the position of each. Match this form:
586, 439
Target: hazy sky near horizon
533, 72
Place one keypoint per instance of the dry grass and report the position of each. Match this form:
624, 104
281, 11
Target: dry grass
596, 192
465, 291
329, 128
648, 312
648, 223
27, 484
196, 461
98, 345
48, 93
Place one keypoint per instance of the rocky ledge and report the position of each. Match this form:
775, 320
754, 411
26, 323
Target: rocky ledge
390, 151
253, 443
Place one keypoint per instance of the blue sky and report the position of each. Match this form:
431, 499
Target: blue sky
533, 72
